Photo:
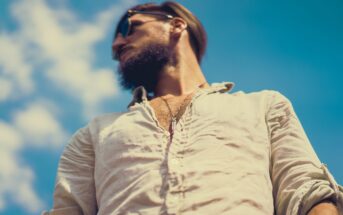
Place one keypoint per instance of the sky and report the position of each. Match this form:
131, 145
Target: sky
56, 73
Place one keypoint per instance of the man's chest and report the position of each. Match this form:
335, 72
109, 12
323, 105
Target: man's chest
221, 132
166, 110
211, 142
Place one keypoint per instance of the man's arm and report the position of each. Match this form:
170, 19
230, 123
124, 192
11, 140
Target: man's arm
299, 179
74, 190
324, 208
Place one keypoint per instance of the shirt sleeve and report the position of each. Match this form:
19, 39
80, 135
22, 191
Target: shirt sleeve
74, 189
299, 179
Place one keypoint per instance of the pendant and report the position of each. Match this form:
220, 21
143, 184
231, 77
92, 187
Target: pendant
173, 124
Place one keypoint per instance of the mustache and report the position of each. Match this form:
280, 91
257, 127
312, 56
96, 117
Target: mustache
121, 50
124, 49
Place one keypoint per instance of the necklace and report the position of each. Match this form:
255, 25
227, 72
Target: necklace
174, 118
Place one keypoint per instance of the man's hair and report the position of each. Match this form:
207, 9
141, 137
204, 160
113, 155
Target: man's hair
197, 33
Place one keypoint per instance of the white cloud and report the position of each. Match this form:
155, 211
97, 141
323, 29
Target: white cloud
56, 45
24, 192
62, 46
14, 67
10, 139
36, 125
5, 89
16, 179
40, 126
67, 45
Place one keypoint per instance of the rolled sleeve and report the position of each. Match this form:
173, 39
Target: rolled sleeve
299, 179
64, 211
74, 189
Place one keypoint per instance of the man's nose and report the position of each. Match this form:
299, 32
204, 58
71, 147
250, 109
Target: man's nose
118, 42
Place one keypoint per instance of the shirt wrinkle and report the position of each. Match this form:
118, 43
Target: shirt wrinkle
231, 153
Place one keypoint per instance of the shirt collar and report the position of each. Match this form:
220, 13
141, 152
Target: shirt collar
140, 94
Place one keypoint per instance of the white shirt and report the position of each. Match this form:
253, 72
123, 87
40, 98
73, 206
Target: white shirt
240, 153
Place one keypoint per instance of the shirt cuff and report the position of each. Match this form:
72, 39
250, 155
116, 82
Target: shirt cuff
315, 191
63, 211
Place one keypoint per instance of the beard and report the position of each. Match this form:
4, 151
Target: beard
144, 68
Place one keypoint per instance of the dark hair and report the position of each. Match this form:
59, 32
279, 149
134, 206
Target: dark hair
197, 33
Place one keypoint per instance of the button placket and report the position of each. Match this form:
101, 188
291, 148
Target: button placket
174, 155
174, 197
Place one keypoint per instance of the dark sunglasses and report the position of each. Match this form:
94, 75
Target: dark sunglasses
124, 26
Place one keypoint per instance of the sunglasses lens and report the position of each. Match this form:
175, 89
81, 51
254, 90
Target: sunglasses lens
124, 27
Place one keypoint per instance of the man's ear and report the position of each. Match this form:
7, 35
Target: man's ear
178, 26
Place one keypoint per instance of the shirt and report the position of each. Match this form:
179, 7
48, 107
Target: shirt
231, 153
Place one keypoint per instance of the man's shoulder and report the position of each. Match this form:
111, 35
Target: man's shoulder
104, 120
265, 95
262, 98
98, 125
264, 92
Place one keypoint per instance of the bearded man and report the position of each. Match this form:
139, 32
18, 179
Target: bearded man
185, 146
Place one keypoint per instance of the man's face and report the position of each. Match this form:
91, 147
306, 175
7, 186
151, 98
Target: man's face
143, 53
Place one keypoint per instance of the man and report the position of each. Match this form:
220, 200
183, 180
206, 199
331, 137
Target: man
184, 146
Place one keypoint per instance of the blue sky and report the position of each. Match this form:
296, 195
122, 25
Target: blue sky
56, 73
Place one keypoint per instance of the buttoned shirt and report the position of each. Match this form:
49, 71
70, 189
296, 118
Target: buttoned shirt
230, 153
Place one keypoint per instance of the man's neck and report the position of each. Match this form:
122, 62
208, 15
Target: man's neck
181, 79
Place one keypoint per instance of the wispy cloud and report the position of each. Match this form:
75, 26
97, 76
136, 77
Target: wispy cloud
64, 46
39, 126
59, 47
16, 178
58, 44
6, 87
35, 125
14, 68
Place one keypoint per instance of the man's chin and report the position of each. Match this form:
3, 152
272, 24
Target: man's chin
142, 68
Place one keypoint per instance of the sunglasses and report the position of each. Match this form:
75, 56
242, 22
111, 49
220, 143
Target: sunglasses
124, 26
